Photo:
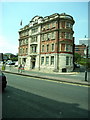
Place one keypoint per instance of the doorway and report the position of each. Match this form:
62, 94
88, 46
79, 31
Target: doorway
33, 64
33, 61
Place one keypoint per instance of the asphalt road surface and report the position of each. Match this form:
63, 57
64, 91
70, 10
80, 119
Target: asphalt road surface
27, 97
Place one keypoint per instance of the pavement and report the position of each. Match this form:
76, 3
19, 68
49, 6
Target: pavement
70, 77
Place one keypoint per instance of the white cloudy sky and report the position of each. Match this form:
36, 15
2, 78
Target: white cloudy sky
6, 46
11, 14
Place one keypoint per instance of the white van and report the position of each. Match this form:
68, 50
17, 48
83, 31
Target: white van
16, 64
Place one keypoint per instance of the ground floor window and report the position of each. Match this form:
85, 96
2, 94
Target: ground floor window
67, 60
47, 60
42, 60
52, 60
24, 59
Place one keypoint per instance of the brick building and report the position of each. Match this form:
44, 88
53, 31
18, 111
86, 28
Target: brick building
80, 49
47, 43
85, 41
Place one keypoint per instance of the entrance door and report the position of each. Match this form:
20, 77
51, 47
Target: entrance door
33, 60
33, 64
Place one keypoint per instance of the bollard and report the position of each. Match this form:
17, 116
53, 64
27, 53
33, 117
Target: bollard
85, 75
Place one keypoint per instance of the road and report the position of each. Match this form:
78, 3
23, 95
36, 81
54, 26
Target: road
79, 76
27, 97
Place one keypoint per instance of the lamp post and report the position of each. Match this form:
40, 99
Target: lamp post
86, 67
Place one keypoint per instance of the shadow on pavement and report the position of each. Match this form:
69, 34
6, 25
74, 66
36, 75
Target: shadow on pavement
21, 104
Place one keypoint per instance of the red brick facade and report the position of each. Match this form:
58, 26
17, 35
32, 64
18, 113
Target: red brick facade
48, 43
80, 49
63, 34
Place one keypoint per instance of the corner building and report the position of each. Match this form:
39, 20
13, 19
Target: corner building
47, 44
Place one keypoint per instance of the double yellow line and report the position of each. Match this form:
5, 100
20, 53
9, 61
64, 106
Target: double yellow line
62, 82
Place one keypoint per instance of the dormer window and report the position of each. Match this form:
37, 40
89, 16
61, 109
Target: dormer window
48, 26
35, 22
68, 25
34, 30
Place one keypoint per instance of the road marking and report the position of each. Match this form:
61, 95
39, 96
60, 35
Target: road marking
62, 82
68, 83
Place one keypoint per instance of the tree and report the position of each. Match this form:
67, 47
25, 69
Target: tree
77, 57
14, 58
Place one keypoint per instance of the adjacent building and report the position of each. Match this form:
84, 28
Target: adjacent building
85, 41
47, 43
80, 49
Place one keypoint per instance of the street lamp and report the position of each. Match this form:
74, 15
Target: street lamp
86, 68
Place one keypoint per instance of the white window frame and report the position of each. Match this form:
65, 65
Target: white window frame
67, 60
42, 60
52, 47
43, 48
47, 60
48, 47
68, 24
68, 48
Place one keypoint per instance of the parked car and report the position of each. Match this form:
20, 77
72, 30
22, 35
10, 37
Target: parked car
76, 65
1, 62
11, 63
3, 81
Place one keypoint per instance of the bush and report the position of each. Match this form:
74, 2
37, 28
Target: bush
88, 64
77, 57
3, 67
14, 59
85, 63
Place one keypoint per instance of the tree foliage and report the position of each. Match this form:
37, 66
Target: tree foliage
77, 57
14, 58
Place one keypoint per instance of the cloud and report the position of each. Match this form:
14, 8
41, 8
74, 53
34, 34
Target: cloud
7, 47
